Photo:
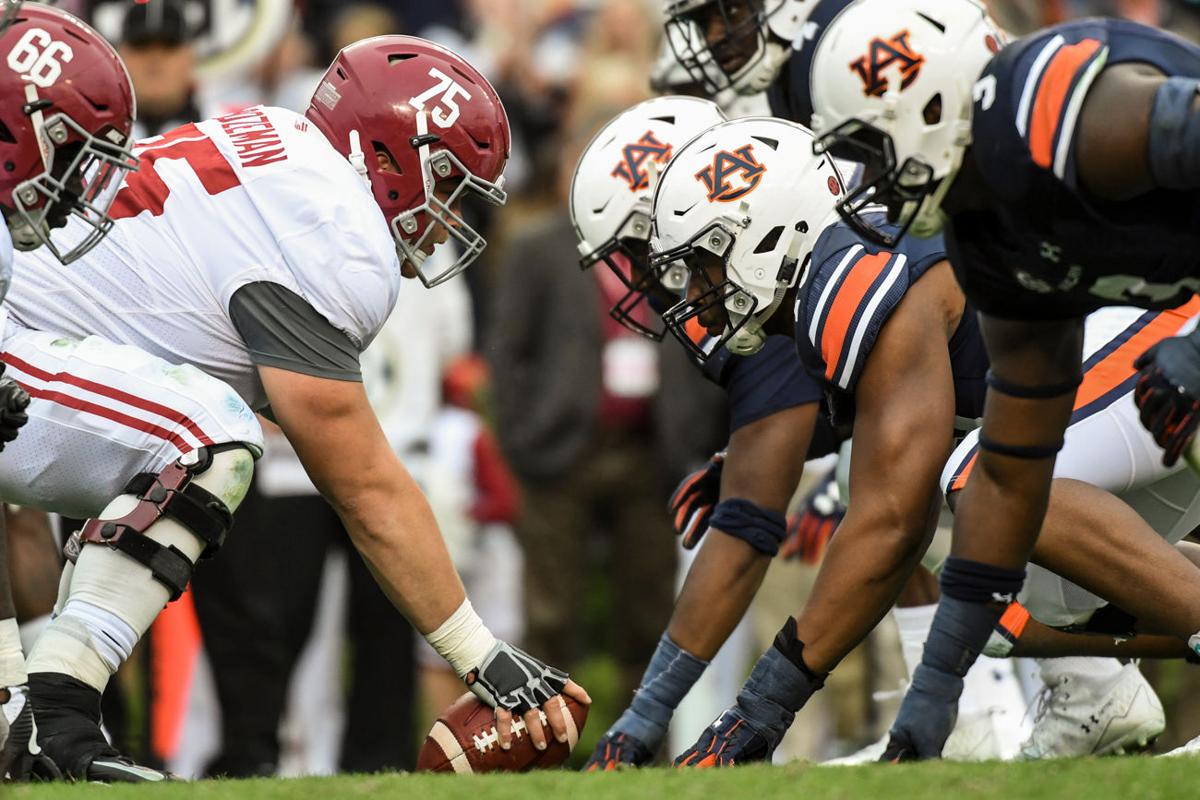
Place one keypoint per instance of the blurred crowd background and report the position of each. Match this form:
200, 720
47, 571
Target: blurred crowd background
547, 441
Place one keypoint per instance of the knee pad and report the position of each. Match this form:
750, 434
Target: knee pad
199, 492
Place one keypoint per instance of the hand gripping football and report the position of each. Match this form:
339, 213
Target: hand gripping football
464, 739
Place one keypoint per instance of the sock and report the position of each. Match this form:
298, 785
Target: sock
930, 708
31, 630
670, 675
779, 686
12, 658
913, 623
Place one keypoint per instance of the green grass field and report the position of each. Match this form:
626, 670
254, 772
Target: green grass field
1132, 778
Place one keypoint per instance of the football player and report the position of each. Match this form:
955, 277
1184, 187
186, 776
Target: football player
743, 493
895, 342
1063, 168
250, 260
67, 115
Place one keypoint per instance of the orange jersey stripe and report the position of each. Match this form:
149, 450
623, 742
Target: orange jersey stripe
841, 310
1052, 95
1115, 368
960, 480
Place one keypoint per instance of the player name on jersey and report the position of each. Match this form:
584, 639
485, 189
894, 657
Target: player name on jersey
251, 132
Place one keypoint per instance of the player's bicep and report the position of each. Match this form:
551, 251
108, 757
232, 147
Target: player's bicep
904, 423
329, 422
1113, 138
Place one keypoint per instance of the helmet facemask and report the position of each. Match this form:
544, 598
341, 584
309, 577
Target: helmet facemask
650, 290
911, 191
746, 58
707, 253
83, 173
418, 231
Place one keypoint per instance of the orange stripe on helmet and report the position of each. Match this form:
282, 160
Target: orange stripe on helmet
1052, 95
841, 311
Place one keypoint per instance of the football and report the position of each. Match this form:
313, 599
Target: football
464, 740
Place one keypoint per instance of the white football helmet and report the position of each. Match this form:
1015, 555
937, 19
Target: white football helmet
892, 89
734, 44
611, 194
740, 206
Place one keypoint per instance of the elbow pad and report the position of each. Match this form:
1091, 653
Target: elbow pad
1173, 141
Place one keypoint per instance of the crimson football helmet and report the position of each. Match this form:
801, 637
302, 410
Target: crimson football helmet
433, 130
66, 108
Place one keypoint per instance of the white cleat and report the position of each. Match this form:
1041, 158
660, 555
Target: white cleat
976, 737
1092, 708
1192, 748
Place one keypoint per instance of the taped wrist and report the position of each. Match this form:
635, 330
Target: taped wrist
1173, 141
779, 685
463, 640
976, 582
761, 528
669, 677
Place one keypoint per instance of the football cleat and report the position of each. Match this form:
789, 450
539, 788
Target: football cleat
975, 738
614, 751
729, 741
68, 732
1081, 713
20, 757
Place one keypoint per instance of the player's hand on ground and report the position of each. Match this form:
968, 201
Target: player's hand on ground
691, 504
1168, 393
13, 404
811, 527
614, 751
729, 741
517, 684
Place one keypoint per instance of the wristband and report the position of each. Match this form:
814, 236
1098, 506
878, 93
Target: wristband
463, 640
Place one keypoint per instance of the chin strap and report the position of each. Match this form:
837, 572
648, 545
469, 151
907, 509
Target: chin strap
357, 159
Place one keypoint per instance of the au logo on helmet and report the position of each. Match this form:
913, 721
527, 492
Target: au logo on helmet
739, 163
884, 54
632, 167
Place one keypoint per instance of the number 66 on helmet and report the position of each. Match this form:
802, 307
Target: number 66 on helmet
66, 108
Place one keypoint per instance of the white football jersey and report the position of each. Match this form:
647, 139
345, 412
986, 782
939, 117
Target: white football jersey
6, 259
257, 195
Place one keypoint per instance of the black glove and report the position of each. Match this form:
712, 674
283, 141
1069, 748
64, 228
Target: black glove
13, 402
692, 503
1168, 393
512, 679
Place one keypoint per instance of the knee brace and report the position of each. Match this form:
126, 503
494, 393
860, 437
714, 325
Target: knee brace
199, 492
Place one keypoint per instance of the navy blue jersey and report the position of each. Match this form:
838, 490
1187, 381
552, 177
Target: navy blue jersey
757, 386
789, 94
849, 292
1043, 248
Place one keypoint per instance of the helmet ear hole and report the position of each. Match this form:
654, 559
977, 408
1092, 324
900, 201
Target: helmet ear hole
387, 162
932, 113
770, 241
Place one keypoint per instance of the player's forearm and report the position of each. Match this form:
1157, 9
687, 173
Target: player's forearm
718, 589
866, 567
1039, 641
394, 530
